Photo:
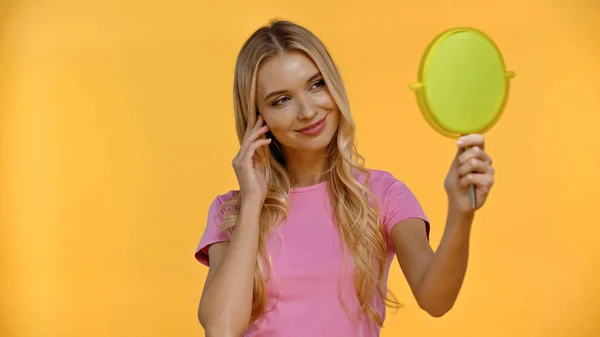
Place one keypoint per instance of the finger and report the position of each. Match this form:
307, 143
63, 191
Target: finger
251, 152
258, 132
259, 123
249, 137
253, 134
470, 140
250, 127
480, 180
253, 146
475, 165
253, 137
475, 152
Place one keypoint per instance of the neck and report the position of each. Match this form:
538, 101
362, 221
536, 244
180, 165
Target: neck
305, 168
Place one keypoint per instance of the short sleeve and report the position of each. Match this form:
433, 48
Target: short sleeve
399, 204
212, 234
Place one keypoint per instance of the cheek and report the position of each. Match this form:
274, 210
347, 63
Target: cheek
335, 118
324, 100
279, 121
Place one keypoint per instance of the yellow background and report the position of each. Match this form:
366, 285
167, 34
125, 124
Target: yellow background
117, 131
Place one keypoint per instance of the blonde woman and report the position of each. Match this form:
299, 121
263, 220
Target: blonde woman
304, 247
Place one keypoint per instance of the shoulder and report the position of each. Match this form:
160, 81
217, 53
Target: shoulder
212, 231
391, 193
381, 182
223, 198
216, 210
397, 202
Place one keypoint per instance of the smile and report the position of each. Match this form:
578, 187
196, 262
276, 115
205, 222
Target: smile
314, 128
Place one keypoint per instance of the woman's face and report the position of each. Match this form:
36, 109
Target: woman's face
294, 101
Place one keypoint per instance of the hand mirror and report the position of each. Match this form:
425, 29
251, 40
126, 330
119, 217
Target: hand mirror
462, 84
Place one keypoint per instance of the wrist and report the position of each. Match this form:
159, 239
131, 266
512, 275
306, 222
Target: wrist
461, 216
251, 205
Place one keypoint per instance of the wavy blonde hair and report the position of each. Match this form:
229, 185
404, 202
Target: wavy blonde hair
354, 205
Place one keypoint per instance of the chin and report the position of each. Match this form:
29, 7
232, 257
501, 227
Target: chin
317, 145
320, 143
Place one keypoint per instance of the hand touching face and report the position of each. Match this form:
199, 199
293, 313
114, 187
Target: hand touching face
296, 104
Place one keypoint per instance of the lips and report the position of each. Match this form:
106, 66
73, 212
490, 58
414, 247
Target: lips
312, 125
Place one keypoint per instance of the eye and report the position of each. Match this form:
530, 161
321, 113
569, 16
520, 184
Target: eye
280, 101
318, 84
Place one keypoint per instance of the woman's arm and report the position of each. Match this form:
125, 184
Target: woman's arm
435, 279
226, 302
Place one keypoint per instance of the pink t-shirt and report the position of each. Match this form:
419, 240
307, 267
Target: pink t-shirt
304, 289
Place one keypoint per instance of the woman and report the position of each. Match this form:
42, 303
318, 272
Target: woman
304, 247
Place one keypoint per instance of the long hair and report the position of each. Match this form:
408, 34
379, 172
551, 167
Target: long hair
354, 206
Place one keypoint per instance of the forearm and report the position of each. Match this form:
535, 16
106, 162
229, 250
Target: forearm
439, 288
227, 300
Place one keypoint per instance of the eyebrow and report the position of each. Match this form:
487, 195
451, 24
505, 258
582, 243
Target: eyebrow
279, 92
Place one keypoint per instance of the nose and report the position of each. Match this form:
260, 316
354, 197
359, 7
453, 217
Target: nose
307, 109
